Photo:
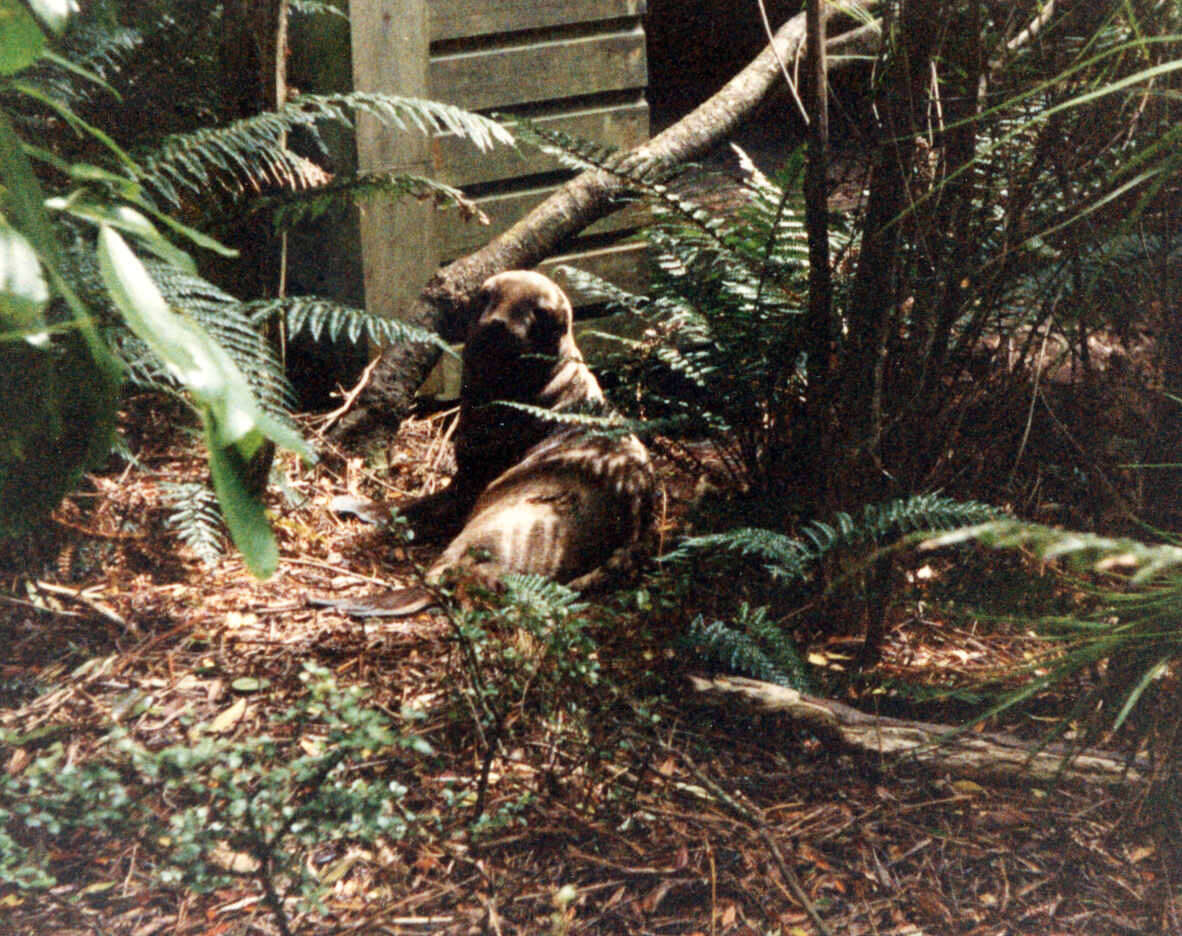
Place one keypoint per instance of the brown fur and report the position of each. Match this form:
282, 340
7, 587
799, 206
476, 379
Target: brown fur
521, 348
535, 496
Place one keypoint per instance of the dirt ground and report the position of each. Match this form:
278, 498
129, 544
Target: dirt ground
664, 814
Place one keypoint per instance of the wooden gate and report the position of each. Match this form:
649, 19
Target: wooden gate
578, 65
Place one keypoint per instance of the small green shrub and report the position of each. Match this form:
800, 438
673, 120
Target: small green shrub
216, 812
822, 557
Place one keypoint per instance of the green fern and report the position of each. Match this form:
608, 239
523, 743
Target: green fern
196, 519
724, 306
291, 208
759, 646
539, 596
334, 322
789, 559
252, 152
1142, 563
741, 647
594, 419
230, 323
88, 49
1129, 628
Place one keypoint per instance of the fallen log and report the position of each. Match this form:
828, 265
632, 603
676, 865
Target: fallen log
443, 305
945, 747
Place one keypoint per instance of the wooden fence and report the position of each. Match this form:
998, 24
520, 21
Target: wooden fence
577, 65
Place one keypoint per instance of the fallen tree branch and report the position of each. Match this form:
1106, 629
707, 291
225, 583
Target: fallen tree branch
993, 756
443, 304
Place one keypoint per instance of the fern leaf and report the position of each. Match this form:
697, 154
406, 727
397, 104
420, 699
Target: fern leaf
196, 519
738, 652
593, 419
598, 290
229, 323
792, 558
782, 650
539, 596
290, 208
252, 151
321, 317
1140, 561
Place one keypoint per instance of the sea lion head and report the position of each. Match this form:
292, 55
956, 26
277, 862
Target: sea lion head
521, 334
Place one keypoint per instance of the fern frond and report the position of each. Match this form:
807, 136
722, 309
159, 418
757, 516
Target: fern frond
741, 651
582, 154
645, 176
322, 317
921, 512
594, 420
291, 208
196, 519
540, 597
785, 557
792, 558
229, 323
89, 52
1141, 562
596, 289
253, 150
780, 646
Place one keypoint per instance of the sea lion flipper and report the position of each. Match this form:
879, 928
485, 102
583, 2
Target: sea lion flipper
363, 508
438, 517
397, 602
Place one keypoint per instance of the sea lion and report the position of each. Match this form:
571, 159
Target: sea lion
533, 495
520, 348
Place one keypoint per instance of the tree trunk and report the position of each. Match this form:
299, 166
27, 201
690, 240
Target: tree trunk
874, 300
821, 330
443, 304
945, 747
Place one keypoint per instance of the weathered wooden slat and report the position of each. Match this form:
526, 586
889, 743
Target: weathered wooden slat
456, 237
541, 71
399, 249
458, 162
455, 19
621, 264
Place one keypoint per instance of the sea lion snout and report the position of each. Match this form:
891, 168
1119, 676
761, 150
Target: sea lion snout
524, 309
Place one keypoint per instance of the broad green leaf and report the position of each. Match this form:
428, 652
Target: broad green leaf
81, 205
21, 39
193, 358
84, 73
132, 191
244, 514
235, 426
196, 360
201, 240
54, 13
24, 205
57, 403
23, 291
76, 123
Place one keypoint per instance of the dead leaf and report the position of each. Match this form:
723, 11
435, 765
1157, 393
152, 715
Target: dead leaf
226, 718
234, 861
236, 620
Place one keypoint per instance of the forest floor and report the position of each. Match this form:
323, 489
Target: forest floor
663, 814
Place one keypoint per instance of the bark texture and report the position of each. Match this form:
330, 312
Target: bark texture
944, 747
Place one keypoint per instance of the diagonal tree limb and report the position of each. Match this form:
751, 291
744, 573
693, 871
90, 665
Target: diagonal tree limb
443, 303
992, 756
